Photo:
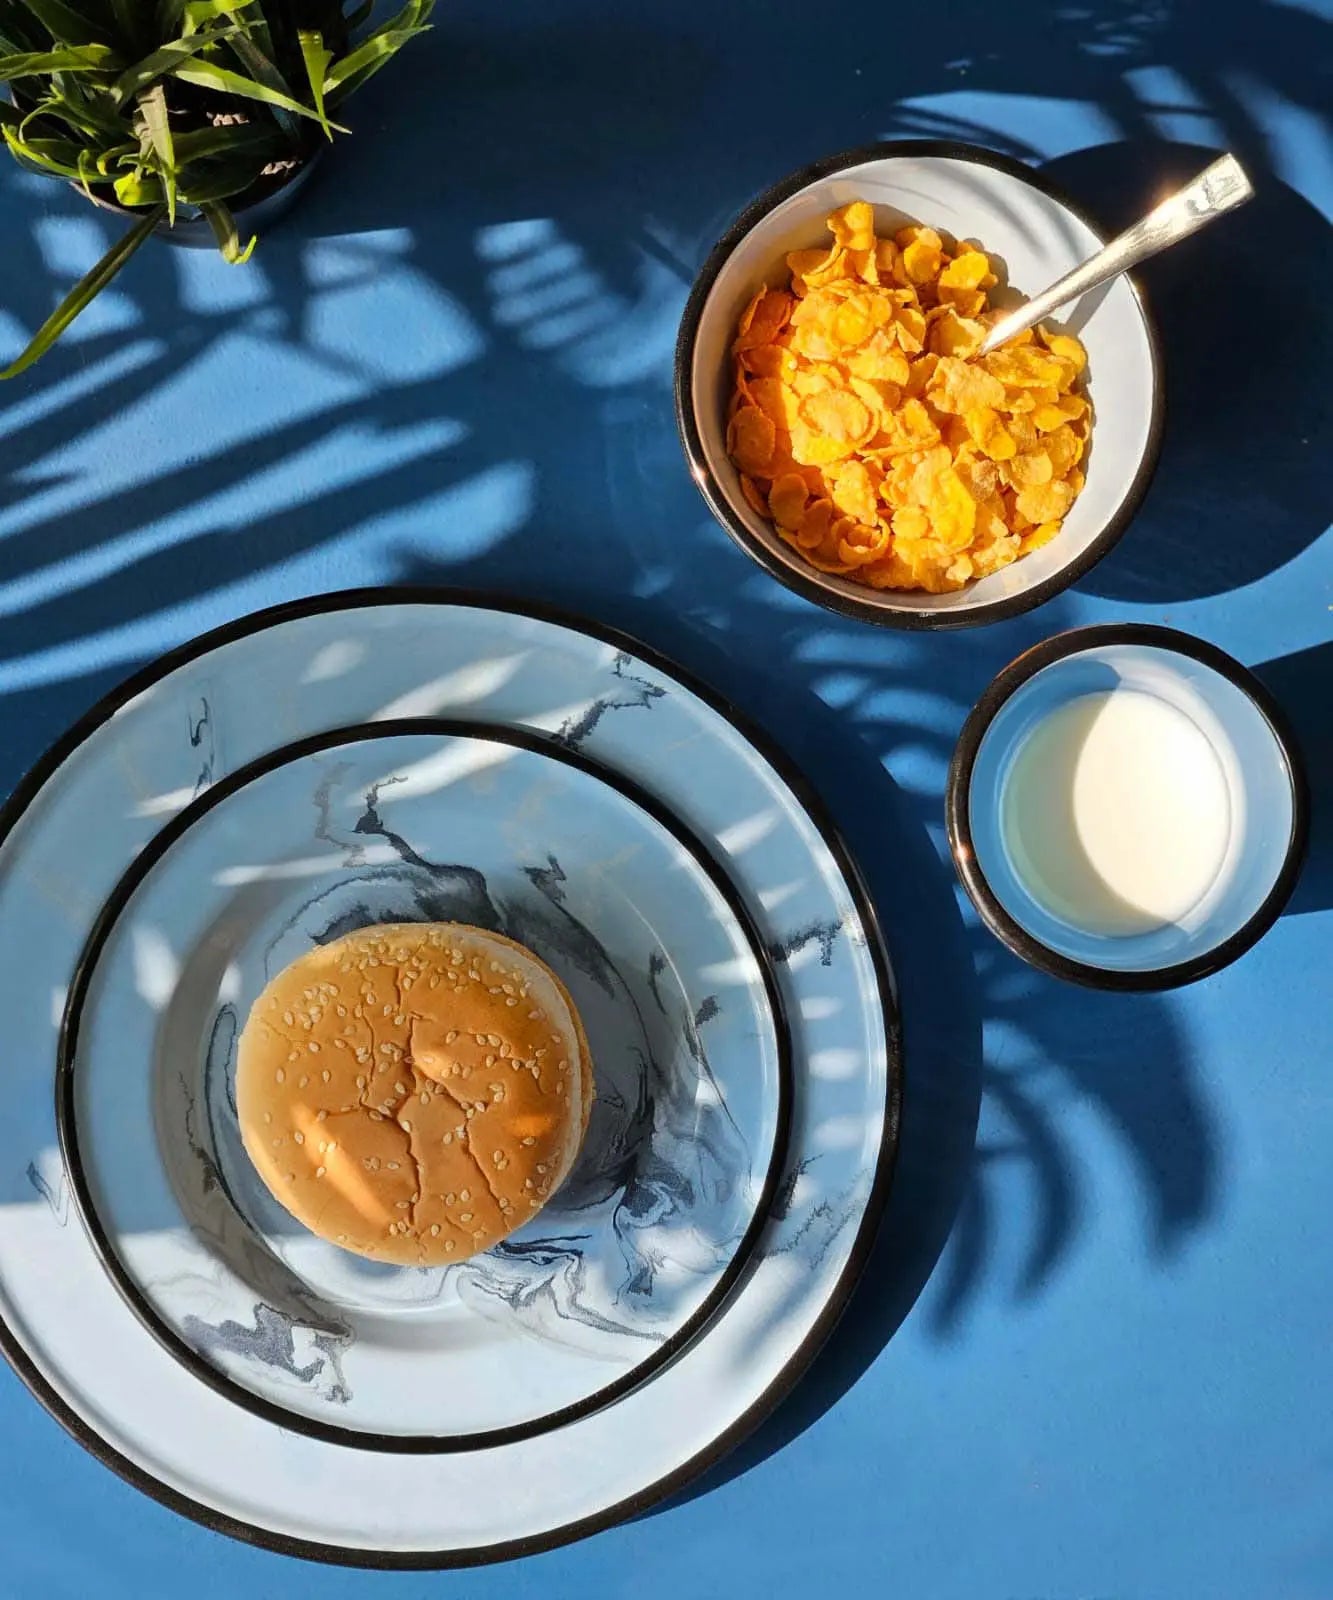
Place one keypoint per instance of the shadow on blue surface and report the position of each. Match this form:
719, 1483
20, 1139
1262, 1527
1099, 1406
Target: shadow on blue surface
1243, 485
1303, 685
546, 214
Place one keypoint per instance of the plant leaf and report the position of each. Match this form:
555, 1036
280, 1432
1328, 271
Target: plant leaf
68, 25
84, 58
316, 57
130, 20
261, 142
161, 62
364, 62
216, 180
60, 157
83, 293
139, 188
205, 75
198, 12
157, 125
254, 50
224, 231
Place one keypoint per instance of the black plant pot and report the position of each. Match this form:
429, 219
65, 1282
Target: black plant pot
270, 197
256, 210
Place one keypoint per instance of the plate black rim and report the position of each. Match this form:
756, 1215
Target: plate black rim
720, 1445
81, 1189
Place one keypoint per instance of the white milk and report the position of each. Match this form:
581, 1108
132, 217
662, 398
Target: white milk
1115, 813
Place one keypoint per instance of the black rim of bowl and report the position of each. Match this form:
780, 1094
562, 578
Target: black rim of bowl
352, 600
885, 612
959, 790
129, 1286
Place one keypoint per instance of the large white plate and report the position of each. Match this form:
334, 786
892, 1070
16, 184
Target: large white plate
75, 825
403, 822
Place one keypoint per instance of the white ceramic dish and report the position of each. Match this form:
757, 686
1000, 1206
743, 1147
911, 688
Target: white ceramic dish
1015, 214
73, 828
404, 822
1265, 787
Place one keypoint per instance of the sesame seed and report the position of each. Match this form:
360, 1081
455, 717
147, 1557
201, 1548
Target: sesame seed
463, 1216
434, 1230
294, 1055
280, 1075
529, 1140
313, 1048
465, 1194
302, 1081
401, 1204
447, 1139
320, 1171
288, 1018
404, 1124
268, 1116
394, 1165
449, 1246
451, 1036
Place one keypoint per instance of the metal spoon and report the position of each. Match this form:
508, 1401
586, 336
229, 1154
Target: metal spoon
1217, 189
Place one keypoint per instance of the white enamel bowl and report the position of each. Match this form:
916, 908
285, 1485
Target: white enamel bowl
1038, 235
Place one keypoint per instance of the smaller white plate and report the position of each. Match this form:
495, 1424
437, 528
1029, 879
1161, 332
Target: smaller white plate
425, 821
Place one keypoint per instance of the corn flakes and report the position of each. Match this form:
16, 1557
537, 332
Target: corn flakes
867, 429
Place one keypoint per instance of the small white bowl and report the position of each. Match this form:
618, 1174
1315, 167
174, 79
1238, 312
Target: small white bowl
1268, 803
1013, 213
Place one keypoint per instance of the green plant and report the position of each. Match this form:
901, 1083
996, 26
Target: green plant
176, 108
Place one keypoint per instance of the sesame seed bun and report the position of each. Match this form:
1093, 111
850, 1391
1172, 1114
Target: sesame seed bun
416, 1091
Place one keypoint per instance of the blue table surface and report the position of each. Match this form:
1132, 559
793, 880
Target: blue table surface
1090, 1357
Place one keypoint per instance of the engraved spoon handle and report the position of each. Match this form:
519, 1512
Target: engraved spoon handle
1218, 188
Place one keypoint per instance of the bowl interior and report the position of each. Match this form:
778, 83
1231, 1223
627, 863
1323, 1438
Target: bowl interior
1036, 239
1259, 788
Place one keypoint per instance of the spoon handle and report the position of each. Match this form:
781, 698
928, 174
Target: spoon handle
1217, 189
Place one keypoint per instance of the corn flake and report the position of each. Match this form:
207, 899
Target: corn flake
865, 427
